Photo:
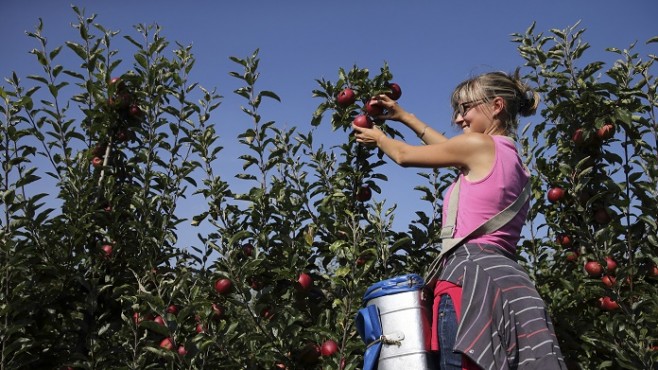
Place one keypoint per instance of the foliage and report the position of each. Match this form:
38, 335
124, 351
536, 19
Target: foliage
93, 274
610, 208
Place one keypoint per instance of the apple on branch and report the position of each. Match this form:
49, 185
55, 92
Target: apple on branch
396, 91
346, 98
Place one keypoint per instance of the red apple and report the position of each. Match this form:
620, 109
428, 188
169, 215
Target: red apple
199, 328
255, 283
373, 108
578, 137
248, 249
611, 265
361, 261
606, 131
267, 313
99, 150
97, 162
362, 120
653, 272
217, 311
223, 286
608, 304
122, 136
572, 256
601, 216
159, 320
135, 111
167, 344
310, 354
118, 83
555, 194
305, 281
346, 98
136, 318
396, 91
364, 194
172, 309
107, 250
608, 281
182, 351
564, 240
328, 348
593, 268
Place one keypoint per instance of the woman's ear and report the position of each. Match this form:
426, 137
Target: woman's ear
498, 105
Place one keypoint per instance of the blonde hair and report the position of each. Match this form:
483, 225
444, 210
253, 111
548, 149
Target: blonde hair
519, 98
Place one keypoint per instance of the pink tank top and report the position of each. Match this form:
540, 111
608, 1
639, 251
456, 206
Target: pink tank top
480, 200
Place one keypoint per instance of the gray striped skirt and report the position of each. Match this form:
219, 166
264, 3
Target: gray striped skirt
504, 323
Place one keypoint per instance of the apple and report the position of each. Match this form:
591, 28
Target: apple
310, 354
346, 98
97, 162
361, 260
255, 283
373, 108
608, 304
653, 272
593, 268
248, 249
135, 111
578, 137
601, 216
364, 194
611, 265
99, 150
328, 348
172, 309
136, 318
182, 351
159, 320
606, 131
118, 84
199, 328
217, 311
396, 91
362, 120
608, 281
305, 281
556, 194
107, 250
572, 256
223, 286
167, 344
564, 240
267, 313
122, 136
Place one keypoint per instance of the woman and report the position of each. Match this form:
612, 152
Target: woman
487, 312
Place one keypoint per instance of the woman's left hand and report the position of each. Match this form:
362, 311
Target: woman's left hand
367, 136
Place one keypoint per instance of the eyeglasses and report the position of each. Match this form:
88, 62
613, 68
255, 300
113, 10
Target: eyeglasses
463, 108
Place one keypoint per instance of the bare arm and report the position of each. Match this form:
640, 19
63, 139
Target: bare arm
473, 152
396, 113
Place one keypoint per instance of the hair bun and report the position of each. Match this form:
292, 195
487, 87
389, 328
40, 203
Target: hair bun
527, 100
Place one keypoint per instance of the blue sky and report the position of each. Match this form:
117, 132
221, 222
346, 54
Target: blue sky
430, 46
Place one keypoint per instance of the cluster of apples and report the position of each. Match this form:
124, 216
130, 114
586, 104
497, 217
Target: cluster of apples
168, 343
125, 114
348, 96
580, 137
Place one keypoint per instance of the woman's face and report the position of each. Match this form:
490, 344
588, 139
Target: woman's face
475, 116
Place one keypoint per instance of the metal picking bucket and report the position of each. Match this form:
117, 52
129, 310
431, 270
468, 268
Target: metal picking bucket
406, 322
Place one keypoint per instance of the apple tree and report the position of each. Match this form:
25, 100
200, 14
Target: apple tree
593, 243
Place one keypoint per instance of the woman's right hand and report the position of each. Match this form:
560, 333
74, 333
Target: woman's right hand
393, 110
